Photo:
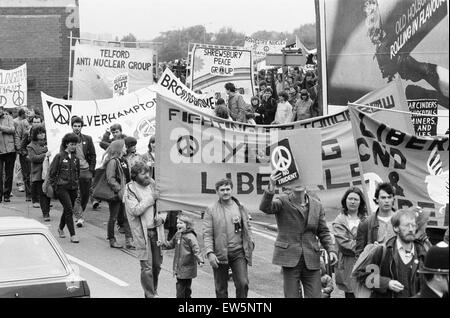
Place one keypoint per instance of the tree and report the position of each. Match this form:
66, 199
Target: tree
129, 38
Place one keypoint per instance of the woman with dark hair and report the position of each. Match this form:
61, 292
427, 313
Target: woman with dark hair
117, 176
37, 152
345, 227
63, 177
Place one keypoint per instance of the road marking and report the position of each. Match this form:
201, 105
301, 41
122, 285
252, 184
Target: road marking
272, 238
98, 271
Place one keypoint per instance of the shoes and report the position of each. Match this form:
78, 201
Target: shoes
46, 218
121, 230
7, 199
36, 205
21, 188
61, 233
96, 205
51, 205
28, 199
74, 239
129, 244
113, 243
79, 222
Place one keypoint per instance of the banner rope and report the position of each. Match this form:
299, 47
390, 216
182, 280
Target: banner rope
398, 111
97, 111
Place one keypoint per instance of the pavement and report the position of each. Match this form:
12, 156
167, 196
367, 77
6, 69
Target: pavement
114, 273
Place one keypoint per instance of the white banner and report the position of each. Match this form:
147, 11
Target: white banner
261, 48
213, 67
13, 87
169, 85
120, 85
96, 67
134, 112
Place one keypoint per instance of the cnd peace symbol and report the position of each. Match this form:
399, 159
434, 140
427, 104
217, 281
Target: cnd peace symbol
187, 146
61, 114
281, 158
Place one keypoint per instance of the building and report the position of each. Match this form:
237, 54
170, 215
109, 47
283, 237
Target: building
36, 32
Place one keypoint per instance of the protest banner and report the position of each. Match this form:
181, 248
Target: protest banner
13, 87
96, 67
368, 43
260, 48
424, 125
171, 86
120, 85
389, 96
212, 67
417, 167
195, 150
134, 112
283, 160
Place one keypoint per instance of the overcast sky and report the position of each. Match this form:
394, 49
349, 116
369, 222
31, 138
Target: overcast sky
147, 18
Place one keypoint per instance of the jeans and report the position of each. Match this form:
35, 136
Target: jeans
67, 199
184, 288
44, 201
82, 200
35, 192
25, 165
310, 280
238, 264
151, 267
117, 208
7, 161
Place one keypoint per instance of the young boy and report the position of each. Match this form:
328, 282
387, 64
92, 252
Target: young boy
187, 255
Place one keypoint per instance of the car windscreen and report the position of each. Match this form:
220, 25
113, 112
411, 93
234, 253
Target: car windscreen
28, 256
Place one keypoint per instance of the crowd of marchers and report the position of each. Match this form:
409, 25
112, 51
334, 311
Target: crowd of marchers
394, 242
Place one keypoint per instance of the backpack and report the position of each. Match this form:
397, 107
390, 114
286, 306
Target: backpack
360, 290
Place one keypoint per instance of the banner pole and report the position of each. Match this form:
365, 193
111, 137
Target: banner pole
70, 66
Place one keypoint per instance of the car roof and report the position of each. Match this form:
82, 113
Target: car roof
20, 224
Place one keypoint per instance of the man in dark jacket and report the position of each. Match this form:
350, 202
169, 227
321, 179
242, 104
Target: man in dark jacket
391, 269
86, 154
435, 273
300, 218
228, 241
377, 227
269, 105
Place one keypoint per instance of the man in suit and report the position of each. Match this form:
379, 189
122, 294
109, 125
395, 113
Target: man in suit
300, 220
435, 273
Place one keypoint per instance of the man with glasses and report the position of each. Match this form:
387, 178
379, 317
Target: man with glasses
391, 269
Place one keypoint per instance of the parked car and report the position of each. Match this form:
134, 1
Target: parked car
33, 264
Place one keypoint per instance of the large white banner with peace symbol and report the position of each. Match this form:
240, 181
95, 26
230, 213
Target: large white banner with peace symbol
135, 112
96, 67
13, 87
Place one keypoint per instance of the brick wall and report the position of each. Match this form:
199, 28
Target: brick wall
37, 36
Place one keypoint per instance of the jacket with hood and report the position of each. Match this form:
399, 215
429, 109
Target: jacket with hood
187, 254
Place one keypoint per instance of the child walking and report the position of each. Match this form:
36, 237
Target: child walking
187, 255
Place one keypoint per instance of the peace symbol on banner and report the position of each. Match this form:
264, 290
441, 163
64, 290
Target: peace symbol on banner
61, 114
187, 146
18, 97
281, 158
